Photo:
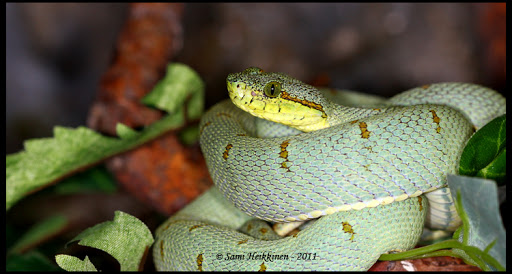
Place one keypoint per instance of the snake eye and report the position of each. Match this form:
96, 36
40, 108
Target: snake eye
272, 89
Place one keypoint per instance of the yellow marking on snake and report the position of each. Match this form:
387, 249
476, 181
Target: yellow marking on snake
436, 120
419, 201
162, 248
200, 262
263, 230
243, 241
195, 226
223, 114
263, 267
365, 133
284, 154
166, 227
226, 152
202, 128
303, 102
348, 228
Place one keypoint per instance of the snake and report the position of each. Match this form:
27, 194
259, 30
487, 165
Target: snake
283, 151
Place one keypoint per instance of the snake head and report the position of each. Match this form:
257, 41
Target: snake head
279, 98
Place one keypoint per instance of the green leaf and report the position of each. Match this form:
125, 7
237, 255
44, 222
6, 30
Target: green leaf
483, 225
125, 132
496, 169
169, 94
96, 179
126, 238
71, 263
189, 135
47, 160
481, 240
39, 233
30, 261
485, 153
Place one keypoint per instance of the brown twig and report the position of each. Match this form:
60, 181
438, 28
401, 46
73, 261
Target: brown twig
164, 173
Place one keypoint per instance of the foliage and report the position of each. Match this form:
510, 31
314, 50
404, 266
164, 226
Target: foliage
48, 160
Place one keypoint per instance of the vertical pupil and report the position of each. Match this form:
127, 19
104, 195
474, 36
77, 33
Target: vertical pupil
272, 89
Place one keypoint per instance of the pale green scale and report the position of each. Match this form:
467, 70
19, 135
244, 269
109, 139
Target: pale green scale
394, 152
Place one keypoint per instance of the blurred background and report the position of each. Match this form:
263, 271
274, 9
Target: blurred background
57, 53
64, 66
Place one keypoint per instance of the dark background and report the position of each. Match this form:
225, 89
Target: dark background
56, 53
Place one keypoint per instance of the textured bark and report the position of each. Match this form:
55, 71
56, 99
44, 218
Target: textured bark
164, 173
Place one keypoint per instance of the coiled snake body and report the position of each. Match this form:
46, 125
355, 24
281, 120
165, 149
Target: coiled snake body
363, 170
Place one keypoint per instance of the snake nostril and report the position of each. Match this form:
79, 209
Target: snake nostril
238, 86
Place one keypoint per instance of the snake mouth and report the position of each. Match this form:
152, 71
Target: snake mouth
236, 89
277, 109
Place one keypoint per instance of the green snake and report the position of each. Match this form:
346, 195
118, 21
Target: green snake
360, 171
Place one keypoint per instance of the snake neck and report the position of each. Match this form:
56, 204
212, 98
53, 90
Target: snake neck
339, 114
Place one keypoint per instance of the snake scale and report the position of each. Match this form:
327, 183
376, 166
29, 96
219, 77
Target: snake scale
363, 170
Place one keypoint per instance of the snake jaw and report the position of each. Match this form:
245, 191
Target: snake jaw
236, 89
